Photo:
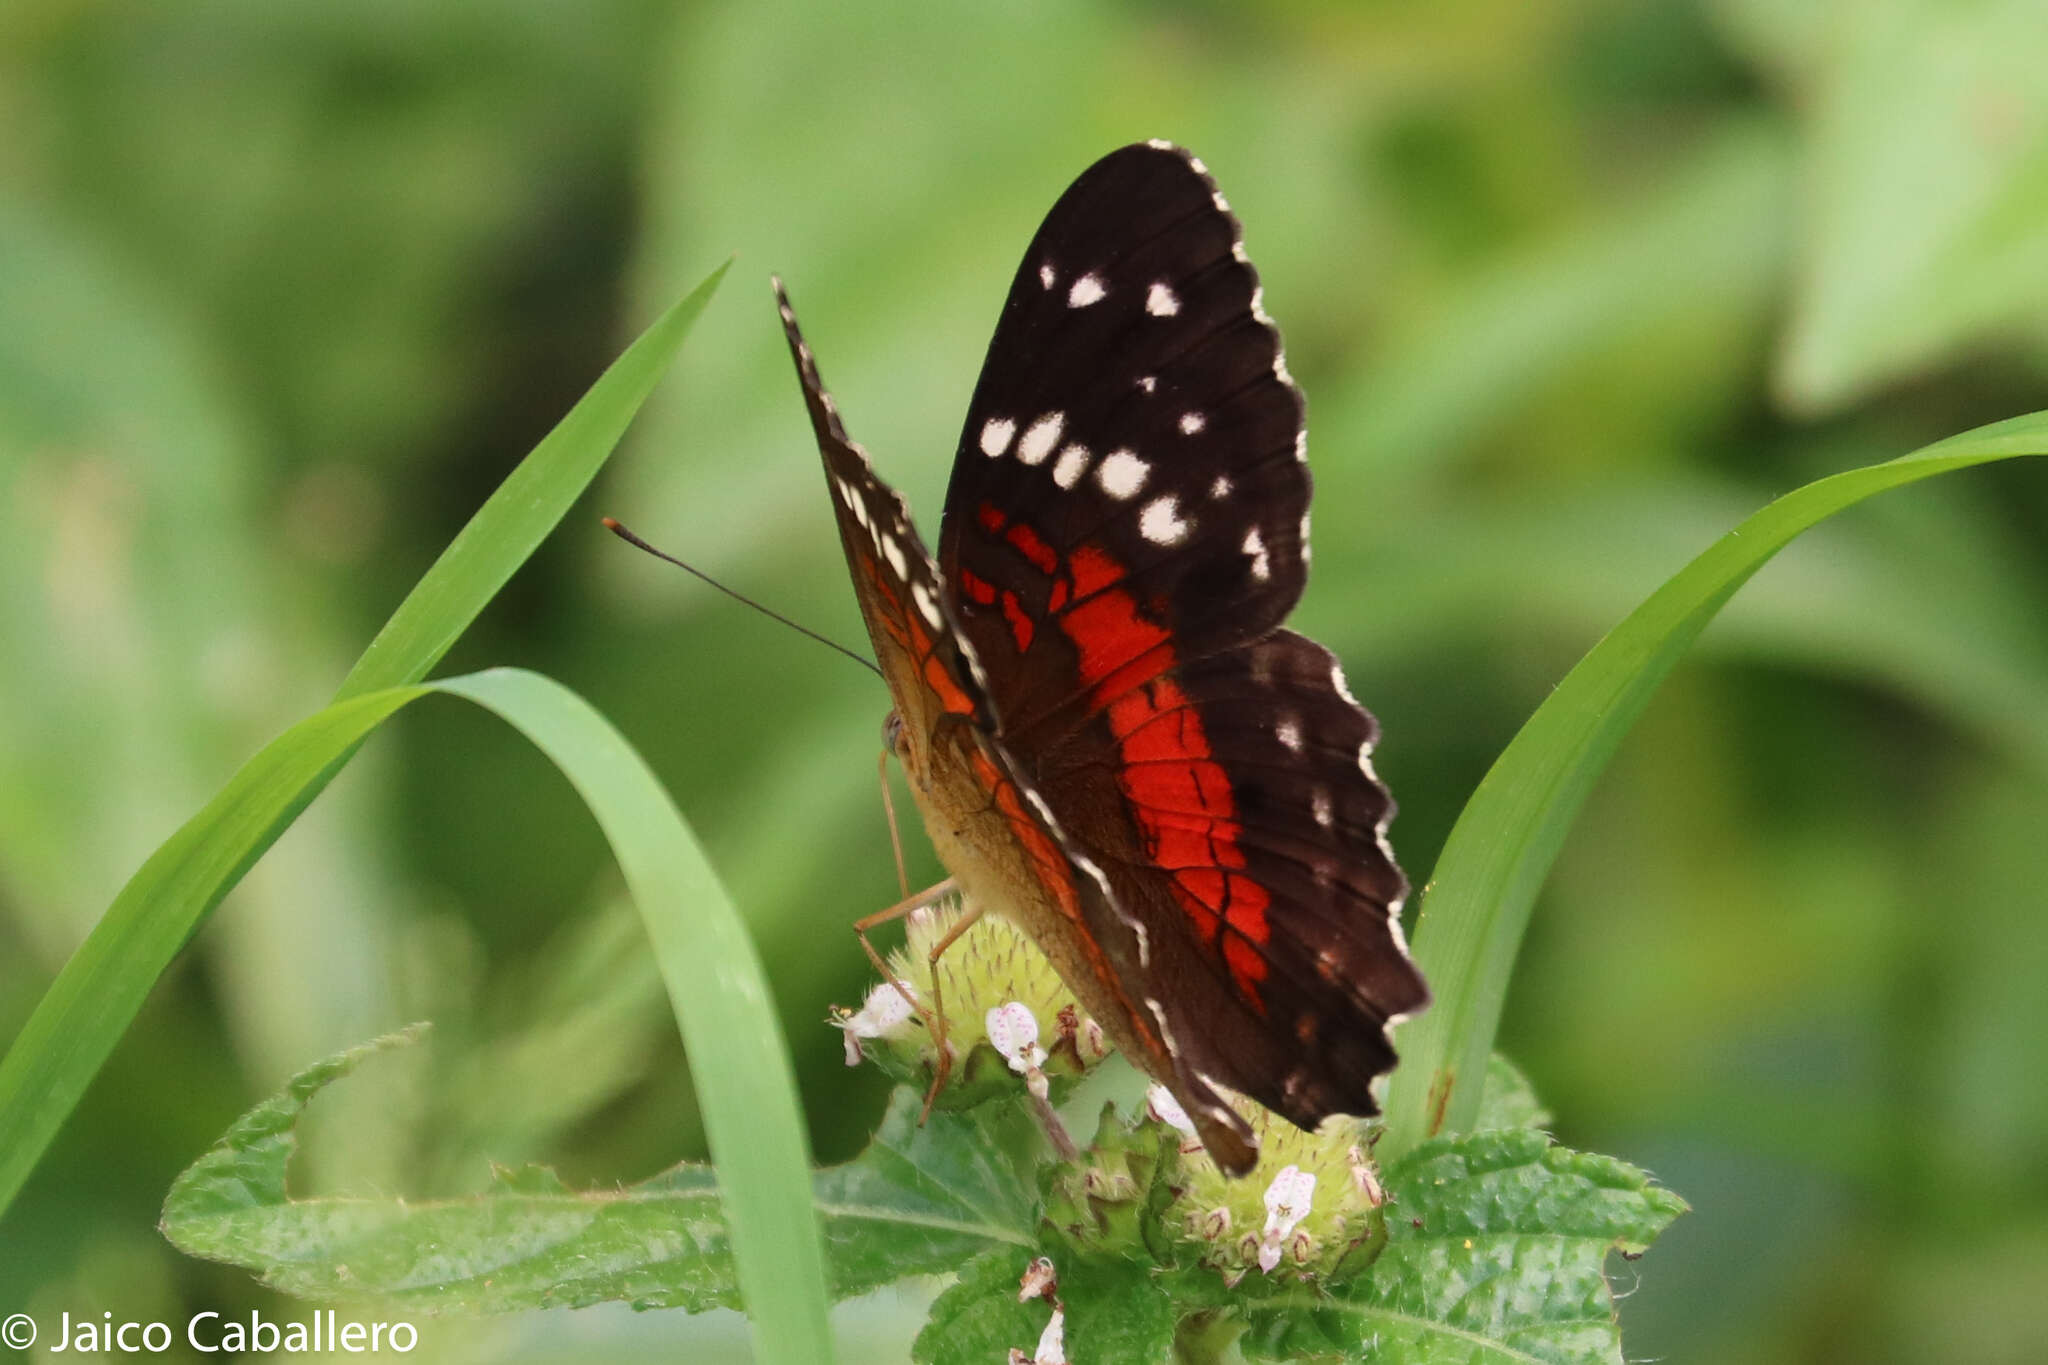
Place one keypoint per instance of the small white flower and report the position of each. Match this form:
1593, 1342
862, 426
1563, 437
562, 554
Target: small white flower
881, 1014
1161, 1105
1287, 1203
1013, 1031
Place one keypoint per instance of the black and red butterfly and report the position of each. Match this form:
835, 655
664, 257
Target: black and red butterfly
1111, 738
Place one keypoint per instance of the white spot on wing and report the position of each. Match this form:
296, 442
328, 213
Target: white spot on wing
1086, 290
1147, 382
1160, 301
1046, 276
1041, 437
1192, 422
1337, 681
1122, 474
1262, 563
1221, 488
995, 436
853, 502
1288, 732
1072, 464
893, 552
926, 607
1320, 805
1161, 522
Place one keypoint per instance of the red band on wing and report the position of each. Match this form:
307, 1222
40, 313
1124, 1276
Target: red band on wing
1042, 556
1021, 629
977, 588
1181, 797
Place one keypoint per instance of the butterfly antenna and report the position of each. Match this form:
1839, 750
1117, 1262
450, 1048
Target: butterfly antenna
623, 533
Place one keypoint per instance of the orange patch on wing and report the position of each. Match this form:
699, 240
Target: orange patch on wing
1052, 866
950, 694
1057, 874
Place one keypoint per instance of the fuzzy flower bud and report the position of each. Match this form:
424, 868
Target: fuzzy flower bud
991, 965
1312, 1205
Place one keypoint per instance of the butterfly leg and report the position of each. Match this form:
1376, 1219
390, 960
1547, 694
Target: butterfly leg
895, 838
945, 1064
934, 1016
934, 1022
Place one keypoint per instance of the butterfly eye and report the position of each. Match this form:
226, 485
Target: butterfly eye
893, 734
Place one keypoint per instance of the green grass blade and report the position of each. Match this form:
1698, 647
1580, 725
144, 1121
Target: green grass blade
746, 1084
526, 506
739, 1059
1478, 902
93, 1000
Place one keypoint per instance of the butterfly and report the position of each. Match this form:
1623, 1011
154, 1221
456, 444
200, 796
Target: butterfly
1112, 739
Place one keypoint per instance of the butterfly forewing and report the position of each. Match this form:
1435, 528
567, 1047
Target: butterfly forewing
1181, 792
930, 668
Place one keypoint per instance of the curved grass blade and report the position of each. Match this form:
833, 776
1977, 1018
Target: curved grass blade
526, 506
1478, 901
746, 1084
94, 998
741, 1064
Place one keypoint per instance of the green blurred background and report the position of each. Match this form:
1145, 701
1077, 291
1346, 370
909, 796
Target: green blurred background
285, 290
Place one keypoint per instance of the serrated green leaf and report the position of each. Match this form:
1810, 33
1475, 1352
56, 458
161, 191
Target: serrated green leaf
920, 1200
1478, 901
1510, 1101
1496, 1251
1117, 1311
978, 1320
